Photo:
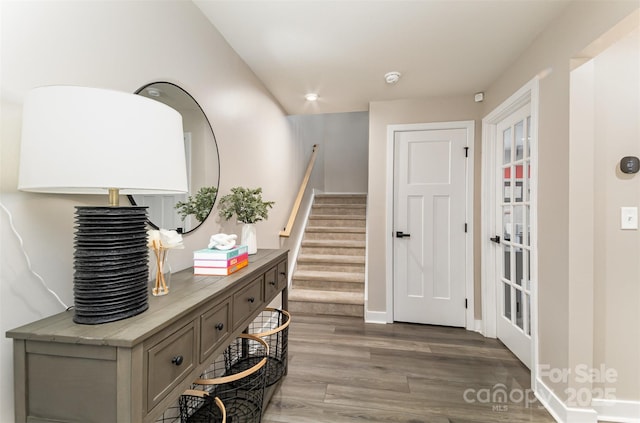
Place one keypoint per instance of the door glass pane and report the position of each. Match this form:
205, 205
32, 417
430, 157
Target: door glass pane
528, 297
506, 146
507, 301
528, 144
528, 275
519, 265
506, 223
519, 138
528, 225
517, 224
507, 191
525, 177
507, 262
519, 310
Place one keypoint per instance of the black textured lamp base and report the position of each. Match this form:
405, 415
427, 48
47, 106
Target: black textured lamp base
111, 269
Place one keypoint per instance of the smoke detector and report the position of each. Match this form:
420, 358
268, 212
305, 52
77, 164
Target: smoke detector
392, 77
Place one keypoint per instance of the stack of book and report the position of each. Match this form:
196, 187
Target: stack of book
220, 262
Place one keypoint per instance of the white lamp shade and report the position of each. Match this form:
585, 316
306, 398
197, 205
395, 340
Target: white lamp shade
78, 140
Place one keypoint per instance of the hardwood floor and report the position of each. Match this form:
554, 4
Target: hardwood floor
342, 370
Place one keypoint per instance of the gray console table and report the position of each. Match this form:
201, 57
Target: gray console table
133, 369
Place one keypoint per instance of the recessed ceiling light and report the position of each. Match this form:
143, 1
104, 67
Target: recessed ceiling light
311, 96
392, 77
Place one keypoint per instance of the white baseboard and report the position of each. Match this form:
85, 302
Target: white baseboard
478, 325
559, 411
617, 410
379, 317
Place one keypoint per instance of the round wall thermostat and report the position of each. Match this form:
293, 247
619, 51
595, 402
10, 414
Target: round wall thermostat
630, 164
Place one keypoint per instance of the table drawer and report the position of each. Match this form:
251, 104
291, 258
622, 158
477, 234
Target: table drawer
169, 362
215, 325
247, 300
271, 282
282, 273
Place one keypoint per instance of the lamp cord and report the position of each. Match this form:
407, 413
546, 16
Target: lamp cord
13, 228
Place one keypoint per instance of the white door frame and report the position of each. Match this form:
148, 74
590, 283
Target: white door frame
469, 126
527, 94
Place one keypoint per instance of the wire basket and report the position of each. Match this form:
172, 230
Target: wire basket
199, 407
272, 325
237, 378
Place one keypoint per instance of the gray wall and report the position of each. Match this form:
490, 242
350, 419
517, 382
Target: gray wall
343, 155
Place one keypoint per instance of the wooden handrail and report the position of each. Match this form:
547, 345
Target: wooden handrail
303, 186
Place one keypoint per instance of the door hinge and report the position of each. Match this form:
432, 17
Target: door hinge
466, 151
465, 228
466, 303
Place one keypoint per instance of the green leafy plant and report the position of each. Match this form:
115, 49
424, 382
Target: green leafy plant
199, 204
246, 204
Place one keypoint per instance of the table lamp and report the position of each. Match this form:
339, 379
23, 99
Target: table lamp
78, 140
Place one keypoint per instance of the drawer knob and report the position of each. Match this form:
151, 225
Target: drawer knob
272, 282
251, 299
283, 273
219, 326
177, 360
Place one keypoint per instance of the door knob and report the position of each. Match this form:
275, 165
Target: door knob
400, 234
495, 239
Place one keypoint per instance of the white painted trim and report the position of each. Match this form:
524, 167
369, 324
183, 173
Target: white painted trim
559, 411
617, 410
478, 326
379, 317
529, 93
469, 126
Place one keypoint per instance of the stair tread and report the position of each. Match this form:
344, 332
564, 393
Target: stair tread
327, 195
330, 258
338, 205
337, 229
356, 277
337, 217
320, 296
333, 243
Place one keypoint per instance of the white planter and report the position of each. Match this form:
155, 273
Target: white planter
249, 237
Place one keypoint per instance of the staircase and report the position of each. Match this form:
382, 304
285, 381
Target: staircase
329, 273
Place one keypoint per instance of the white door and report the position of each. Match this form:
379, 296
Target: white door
429, 276
513, 237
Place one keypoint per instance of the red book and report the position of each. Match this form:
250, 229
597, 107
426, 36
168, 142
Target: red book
220, 263
220, 271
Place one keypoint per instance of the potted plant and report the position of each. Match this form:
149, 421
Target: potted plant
248, 207
198, 205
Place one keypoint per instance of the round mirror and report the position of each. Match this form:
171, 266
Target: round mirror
185, 212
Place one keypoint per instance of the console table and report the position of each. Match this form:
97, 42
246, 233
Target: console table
132, 370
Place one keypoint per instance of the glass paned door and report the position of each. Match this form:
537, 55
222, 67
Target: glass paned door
513, 214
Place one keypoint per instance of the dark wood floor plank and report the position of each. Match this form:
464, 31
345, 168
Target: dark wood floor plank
342, 370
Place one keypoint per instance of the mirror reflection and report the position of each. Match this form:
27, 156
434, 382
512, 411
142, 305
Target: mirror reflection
203, 165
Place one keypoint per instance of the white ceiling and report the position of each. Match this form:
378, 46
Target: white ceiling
342, 49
